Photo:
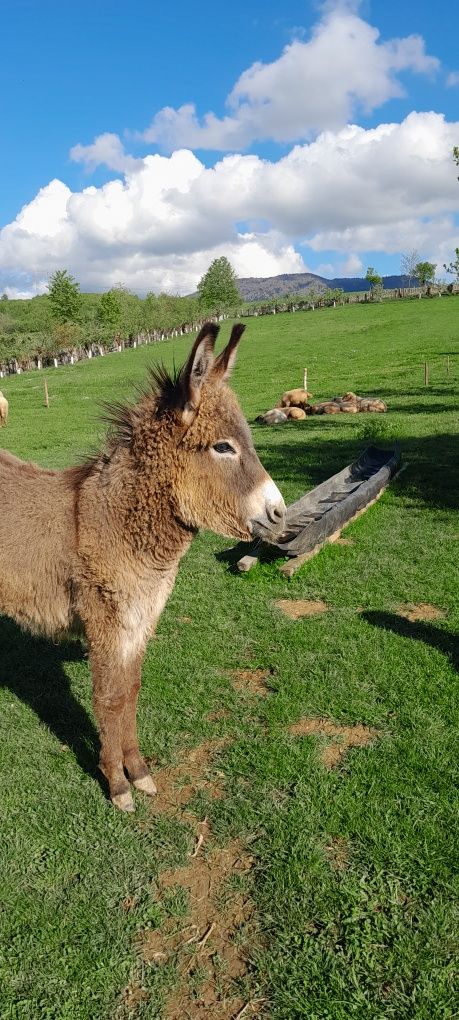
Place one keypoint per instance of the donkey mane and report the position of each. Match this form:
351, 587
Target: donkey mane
164, 391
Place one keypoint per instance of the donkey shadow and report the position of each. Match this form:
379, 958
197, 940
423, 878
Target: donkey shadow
32, 668
443, 640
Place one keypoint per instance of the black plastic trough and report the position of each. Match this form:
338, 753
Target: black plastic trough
330, 506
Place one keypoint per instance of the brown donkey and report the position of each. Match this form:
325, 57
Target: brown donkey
99, 546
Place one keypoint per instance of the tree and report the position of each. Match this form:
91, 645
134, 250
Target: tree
456, 156
109, 310
453, 267
408, 263
4, 297
373, 278
425, 272
64, 296
218, 289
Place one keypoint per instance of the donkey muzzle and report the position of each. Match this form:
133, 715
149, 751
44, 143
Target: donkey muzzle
268, 520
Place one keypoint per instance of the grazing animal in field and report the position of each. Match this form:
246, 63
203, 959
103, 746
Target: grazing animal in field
3, 410
109, 535
295, 398
297, 413
273, 417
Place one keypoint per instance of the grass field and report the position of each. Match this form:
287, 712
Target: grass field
330, 893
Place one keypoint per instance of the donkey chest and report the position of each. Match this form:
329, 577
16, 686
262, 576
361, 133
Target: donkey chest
141, 611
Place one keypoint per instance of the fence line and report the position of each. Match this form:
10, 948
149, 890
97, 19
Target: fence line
71, 355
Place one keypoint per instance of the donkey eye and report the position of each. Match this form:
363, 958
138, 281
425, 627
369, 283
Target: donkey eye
223, 448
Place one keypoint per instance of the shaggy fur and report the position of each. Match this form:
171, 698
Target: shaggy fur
107, 537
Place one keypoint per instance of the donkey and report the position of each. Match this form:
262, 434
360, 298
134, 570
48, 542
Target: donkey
97, 547
3, 410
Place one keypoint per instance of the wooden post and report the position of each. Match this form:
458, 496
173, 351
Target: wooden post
426, 374
305, 379
46, 394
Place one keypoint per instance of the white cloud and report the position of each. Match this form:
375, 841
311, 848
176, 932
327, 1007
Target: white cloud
312, 86
452, 79
106, 149
159, 226
352, 266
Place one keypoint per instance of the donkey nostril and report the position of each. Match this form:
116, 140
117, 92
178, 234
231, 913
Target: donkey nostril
275, 513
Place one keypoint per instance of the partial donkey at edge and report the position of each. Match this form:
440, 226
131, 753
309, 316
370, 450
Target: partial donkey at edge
3, 410
109, 535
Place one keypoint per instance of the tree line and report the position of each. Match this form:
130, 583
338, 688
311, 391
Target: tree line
66, 324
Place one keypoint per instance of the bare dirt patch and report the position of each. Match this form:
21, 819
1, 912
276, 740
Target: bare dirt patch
295, 609
339, 738
337, 853
217, 715
344, 541
210, 946
178, 784
415, 612
251, 681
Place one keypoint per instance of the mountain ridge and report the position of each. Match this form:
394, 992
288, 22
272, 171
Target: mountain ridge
261, 288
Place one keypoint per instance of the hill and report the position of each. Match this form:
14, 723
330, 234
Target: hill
254, 288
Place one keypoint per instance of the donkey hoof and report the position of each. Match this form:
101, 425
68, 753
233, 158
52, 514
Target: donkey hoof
145, 784
124, 801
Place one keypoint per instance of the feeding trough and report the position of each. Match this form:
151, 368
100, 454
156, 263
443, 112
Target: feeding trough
320, 515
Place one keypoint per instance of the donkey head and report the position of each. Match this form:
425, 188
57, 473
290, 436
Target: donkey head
218, 481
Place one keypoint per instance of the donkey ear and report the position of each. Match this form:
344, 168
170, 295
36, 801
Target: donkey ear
198, 366
224, 364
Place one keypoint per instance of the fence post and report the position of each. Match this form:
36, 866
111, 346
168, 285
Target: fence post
46, 394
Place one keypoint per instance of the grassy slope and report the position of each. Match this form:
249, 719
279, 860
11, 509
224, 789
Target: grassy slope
375, 940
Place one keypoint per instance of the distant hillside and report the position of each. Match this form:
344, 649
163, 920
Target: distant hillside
352, 283
255, 288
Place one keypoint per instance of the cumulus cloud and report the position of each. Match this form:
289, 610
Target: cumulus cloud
315, 85
158, 226
107, 150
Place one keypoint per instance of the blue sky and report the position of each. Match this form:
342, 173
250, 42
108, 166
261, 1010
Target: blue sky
273, 177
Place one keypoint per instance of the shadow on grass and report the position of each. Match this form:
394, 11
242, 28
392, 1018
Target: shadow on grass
432, 478
441, 390
426, 632
231, 556
32, 669
402, 405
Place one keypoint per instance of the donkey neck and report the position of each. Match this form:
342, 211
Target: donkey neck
136, 490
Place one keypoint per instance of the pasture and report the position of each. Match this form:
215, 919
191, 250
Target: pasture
317, 758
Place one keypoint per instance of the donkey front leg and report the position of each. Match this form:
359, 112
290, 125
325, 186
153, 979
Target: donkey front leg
110, 694
135, 765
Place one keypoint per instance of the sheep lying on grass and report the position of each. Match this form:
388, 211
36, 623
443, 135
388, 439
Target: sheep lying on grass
272, 417
296, 412
294, 404
326, 407
3, 410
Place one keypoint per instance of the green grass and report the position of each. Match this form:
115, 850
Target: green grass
376, 940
